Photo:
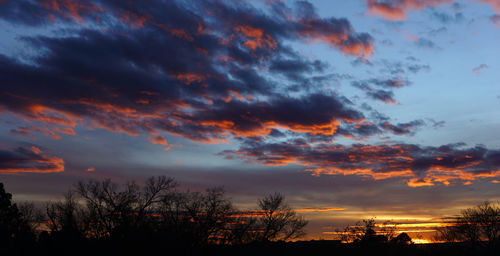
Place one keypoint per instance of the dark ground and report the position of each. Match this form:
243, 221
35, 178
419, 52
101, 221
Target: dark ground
303, 248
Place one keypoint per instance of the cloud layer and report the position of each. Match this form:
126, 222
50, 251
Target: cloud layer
203, 71
398, 9
28, 160
212, 72
417, 166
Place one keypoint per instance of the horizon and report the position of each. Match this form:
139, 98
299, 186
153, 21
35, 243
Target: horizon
351, 109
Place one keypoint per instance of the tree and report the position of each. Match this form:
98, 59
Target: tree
13, 225
210, 215
66, 218
120, 211
32, 214
486, 217
279, 221
368, 231
478, 223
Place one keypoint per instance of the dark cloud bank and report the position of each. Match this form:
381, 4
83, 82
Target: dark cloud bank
210, 71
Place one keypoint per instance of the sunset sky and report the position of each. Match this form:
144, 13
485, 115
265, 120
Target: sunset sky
352, 109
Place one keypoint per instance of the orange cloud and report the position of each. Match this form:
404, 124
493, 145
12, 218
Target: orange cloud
134, 20
52, 131
70, 9
189, 78
415, 183
397, 9
265, 128
361, 172
158, 140
416, 166
51, 116
256, 38
29, 160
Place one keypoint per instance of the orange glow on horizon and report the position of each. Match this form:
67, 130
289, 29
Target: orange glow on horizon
320, 209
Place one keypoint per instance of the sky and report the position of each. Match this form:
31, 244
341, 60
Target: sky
351, 109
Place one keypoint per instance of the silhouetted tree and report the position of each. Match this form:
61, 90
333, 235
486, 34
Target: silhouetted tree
120, 211
32, 214
479, 223
279, 221
66, 218
14, 228
151, 216
366, 231
358, 231
243, 230
210, 212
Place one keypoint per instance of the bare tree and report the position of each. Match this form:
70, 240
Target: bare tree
120, 210
279, 221
478, 223
32, 214
210, 212
358, 231
487, 217
369, 231
243, 230
448, 234
65, 217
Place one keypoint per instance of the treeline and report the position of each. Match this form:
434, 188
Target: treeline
102, 217
479, 224
157, 214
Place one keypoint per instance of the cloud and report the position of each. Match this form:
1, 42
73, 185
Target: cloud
380, 95
398, 68
403, 128
158, 140
494, 4
397, 9
52, 132
385, 96
380, 125
426, 43
436, 124
202, 71
446, 18
417, 166
416, 68
495, 19
28, 160
337, 33
477, 70
312, 114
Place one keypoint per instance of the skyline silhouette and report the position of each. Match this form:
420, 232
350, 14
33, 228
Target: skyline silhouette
352, 109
